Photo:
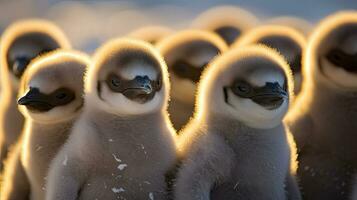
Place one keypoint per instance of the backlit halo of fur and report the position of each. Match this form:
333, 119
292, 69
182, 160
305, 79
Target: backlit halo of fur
299, 24
212, 73
53, 60
311, 70
127, 107
20, 28
225, 16
260, 32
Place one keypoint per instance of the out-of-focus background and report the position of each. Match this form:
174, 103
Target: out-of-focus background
88, 23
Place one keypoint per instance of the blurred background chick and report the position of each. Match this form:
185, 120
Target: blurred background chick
88, 23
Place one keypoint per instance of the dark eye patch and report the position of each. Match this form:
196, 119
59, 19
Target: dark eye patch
343, 60
35, 100
228, 33
243, 89
140, 89
62, 96
18, 65
118, 84
270, 96
114, 82
185, 70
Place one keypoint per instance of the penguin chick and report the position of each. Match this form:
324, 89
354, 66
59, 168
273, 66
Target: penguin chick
124, 127
151, 34
299, 24
51, 98
20, 43
187, 53
229, 22
236, 146
323, 118
289, 42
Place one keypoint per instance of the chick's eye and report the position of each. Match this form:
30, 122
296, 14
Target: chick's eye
179, 67
336, 56
243, 88
183, 68
115, 82
61, 95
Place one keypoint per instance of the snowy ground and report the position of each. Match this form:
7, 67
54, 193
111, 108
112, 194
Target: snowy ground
88, 23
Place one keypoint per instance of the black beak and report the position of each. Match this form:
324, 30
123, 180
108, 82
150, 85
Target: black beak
140, 89
34, 100
19, 66
141, 84
271, 96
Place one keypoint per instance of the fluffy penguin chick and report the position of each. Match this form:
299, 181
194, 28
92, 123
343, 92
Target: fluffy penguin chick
151, 34
51, 97
187, 53
229, 22
236, 146
20, 43
123, 144
324, 119
288, 41
296, 23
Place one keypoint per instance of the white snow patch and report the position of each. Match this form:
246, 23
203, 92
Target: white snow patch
151, 196
110, 140
143, 148
122, 166
118, 190
236, 186
116, 158
39, 148
65, 160
147, 182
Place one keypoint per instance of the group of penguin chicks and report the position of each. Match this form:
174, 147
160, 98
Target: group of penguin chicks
224, 125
